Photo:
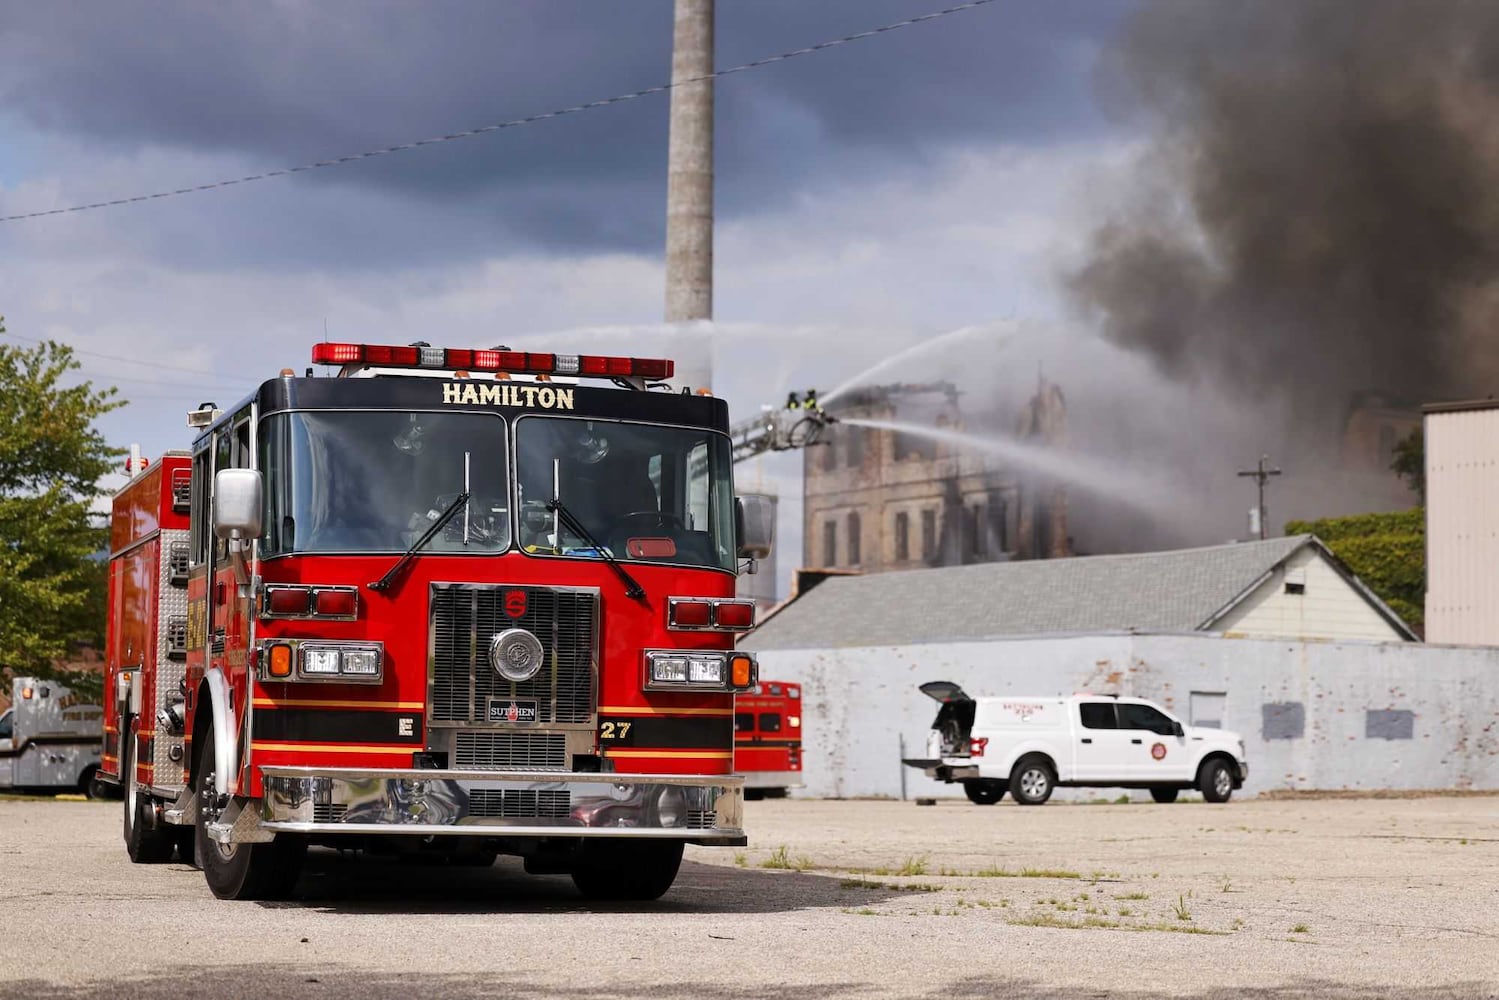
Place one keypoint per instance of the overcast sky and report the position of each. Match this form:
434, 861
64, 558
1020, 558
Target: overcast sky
868, 197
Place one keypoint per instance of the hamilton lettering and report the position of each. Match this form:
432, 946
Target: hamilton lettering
542, 397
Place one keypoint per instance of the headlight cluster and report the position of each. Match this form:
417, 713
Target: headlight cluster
698, 670
346, 662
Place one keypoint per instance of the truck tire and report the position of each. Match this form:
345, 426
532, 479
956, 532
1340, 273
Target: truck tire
1032, 781
626, 869
242, 871
1215, 780
91, 785
1164, 795
984, 791
145, 845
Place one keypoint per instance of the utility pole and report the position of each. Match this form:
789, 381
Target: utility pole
689, 183
1261, 474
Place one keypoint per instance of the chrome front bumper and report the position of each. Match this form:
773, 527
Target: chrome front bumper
697, 809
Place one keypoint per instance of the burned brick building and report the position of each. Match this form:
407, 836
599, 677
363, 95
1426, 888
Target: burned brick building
880, 497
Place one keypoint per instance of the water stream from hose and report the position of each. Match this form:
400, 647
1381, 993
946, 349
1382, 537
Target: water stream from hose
1091, 474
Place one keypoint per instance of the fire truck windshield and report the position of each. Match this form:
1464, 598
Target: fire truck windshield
375, 481
645, 493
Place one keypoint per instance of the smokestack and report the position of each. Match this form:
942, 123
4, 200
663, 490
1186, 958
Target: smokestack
689, 186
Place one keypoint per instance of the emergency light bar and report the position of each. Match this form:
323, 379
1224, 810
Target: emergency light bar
519, 362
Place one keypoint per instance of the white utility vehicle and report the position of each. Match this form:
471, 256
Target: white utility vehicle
1029, 746
50, 740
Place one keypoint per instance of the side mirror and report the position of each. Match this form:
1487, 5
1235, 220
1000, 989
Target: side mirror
755, 525
237, 500
1176, 729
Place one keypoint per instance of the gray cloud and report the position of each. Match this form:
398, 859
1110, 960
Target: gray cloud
263, 86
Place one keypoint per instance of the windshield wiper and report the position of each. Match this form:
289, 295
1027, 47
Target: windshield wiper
632, 589
385, 581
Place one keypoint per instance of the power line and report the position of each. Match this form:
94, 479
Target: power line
106, 379
116, 357
514, 122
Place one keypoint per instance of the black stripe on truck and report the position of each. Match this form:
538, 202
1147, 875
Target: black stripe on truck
316, 725
667, 733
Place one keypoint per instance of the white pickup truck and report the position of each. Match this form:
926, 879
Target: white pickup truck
1029, 746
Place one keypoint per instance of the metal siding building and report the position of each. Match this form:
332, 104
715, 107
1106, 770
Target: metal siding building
1462, 523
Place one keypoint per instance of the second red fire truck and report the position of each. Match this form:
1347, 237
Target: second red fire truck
768, 739
467, 599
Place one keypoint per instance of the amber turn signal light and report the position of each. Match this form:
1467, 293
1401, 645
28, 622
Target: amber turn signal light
278, 664
741, 670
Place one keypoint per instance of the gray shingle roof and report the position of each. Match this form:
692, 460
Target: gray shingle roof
1178, 591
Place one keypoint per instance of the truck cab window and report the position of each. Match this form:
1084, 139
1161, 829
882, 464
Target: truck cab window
1098, 715
1144, 717
202, 473
375, 480
644, 493
770, 722
7, 726
744, 722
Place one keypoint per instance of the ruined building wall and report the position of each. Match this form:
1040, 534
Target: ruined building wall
878, 499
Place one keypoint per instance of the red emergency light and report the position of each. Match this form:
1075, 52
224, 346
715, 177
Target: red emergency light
518, 362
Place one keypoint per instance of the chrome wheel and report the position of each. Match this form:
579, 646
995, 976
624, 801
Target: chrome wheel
1223, 783
1034, 782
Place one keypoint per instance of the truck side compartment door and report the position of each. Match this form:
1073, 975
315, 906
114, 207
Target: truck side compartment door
1100, 749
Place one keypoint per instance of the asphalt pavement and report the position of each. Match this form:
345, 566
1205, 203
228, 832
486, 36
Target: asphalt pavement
1343, 898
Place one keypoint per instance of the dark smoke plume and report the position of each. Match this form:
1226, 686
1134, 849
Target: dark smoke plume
1319, 209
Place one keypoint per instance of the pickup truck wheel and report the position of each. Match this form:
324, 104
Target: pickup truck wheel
1164, 795
145, 845
984, 791
91, 785
1215, 781
1032, 781
242, 871
627, 869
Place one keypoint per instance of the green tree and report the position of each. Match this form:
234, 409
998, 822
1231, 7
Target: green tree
52, 457
1409, 462
1386, 551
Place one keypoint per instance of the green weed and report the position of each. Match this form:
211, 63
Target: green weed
779, 858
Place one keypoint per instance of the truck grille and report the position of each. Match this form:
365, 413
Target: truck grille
519, 803
464, 618
520, 751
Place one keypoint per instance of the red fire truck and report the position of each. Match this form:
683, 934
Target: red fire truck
768, 739
462, 600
